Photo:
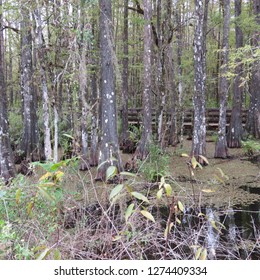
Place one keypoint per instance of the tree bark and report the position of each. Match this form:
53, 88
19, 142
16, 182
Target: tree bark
221, 150
125, 76
199, 128
109, 148
253, 120
142, 149
235, 131
45, 93
30, 138
7, 168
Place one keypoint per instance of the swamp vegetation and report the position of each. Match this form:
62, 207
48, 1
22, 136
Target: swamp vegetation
129, 129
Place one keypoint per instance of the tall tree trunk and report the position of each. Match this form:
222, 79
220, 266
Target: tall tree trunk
45, 93
109, 149
221, 150
253, 122
93, 160
235, 131
83, 93
146, 138
7, 168
199, 128
125, 76
179, 38
30, 138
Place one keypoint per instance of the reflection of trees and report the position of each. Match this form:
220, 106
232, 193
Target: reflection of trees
212, 236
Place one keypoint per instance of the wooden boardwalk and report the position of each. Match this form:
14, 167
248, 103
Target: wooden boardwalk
212, 117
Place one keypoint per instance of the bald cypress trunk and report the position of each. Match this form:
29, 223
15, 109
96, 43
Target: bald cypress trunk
109, 148
41, 59
146, 138
253, 122
125, 76
221, 150
7, 168
199, 128
235, 131
30, 138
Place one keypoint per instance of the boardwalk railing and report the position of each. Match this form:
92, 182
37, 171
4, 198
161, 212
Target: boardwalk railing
212, 117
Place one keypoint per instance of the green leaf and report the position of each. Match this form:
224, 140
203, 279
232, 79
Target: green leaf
159, 194
18, 196
2, 194
125, 173
129, 211
180, 206
57, 255
148, 215
57, 165
111, 172
43, 254
46, 195
116, 190
67, 135
140, 196
168, 189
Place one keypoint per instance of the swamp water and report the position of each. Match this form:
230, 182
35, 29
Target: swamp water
228, 232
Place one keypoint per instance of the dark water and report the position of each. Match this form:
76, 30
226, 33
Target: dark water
241, 235
238, 229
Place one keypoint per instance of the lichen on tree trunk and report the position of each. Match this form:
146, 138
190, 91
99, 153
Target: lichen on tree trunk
142, 149
109, 147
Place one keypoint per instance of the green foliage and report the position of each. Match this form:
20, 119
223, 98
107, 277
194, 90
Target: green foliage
135, 133
251, 147
156, 165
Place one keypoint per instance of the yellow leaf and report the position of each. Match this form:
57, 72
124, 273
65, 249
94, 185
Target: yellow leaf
29, 208
18, 196
46, 176
193, 162
180, 206
178, 221
213, 223
167, 230
117, 237
207, 191
159, 194
198, 252
203, 255
43, 254
148, 215
168, 189
204, 159
58, 175
184, 155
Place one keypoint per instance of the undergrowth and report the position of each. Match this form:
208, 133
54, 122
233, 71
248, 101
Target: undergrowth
62, 213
